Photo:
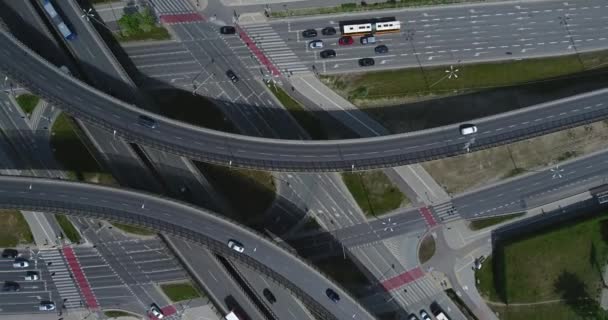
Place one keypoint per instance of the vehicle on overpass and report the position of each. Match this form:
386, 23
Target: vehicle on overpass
365, 26
58, 21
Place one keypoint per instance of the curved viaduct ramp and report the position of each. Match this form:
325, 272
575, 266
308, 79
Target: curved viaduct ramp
182, 220
80, 100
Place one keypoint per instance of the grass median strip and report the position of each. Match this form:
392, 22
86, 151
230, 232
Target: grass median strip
133, 229
73, 155
117, 313
15, 229
411, 84
558, 271
362, 6
249, 192
180, 291
374, 192
479, 224
306, 119
27, 102
68, 228
487, 166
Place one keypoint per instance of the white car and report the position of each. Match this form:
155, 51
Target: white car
316, 44
21, 264
236, 246
155, 311
467, 129
46, 306
31, 276
424, 315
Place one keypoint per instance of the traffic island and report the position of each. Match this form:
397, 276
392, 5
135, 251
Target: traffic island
27, 102
426, 250
180, 291
374, 192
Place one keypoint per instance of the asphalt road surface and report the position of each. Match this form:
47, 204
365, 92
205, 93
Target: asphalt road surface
443, 35
282, 154
164, 214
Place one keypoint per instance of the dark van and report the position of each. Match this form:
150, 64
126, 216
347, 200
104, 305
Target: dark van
147, 122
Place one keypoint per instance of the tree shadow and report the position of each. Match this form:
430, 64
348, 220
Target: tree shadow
574, 293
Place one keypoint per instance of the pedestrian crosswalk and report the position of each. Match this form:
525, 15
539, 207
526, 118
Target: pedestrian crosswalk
419, 290
275, 48
62, 278
163, 7
446, 212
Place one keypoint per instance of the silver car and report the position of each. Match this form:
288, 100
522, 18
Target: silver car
236, 246
316, 44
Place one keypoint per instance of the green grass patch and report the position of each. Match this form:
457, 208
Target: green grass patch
117, 313
414, 83
427, 249
362, 6
249, 192
156, 33
133, 229
374, 192
73, 156
140, 25
68, 228
559, 270
27, 102
479, 224
306, 119
180, 291
15, 229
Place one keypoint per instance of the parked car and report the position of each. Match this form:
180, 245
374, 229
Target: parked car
368, 39
381, 49
156, 311
424, 315
345, 41
413, 317
269, 296
236, 246
21, 263
10, 253
309, 33
227, 30
46, 305
329, 53
316, 44
11, 286
467, 129
328, 31
232, 76
332, 295
31, 276
366, 62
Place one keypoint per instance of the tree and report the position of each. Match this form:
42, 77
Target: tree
146, 20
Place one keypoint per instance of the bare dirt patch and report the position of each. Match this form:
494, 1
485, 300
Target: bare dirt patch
476, 169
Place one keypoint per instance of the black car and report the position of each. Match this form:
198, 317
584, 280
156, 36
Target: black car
366, 62
269, 296
381, 49
332, 295
147, 122
329, 53
10, 253
227, 30
232, 76
11, 286
309, 33
328, 31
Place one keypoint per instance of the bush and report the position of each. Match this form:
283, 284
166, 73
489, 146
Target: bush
359, 93
349, 5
